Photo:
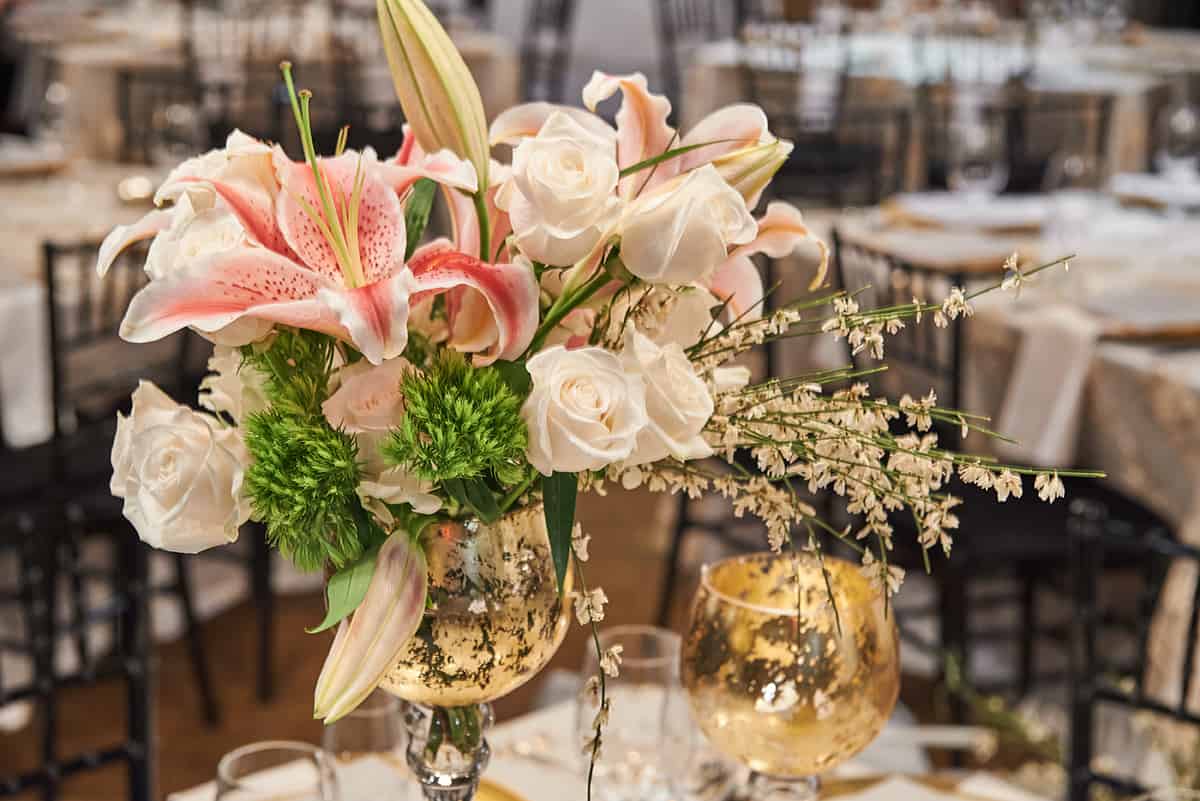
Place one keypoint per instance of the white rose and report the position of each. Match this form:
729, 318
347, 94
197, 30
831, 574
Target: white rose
584, 412
179, 473
193, 235
369, 398
677, 401
232, 388
561, 197
682, 231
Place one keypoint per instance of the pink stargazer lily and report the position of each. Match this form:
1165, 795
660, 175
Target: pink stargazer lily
290, 269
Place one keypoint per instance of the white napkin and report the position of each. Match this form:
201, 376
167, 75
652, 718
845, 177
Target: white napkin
985, 785
25, 413
951, 211
899, 788
1157, 189
1045, 391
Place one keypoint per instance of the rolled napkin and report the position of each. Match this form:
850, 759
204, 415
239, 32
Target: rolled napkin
25, 414
1045, 391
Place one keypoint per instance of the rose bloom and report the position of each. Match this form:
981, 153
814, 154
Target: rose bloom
369, 404
561, 197
682, 231
677, 401
180, 474
231, 388
584, 412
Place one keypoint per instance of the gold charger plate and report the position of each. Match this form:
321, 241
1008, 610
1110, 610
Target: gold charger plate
490, 791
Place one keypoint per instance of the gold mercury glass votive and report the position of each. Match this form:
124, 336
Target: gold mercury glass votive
776, 678
494, 618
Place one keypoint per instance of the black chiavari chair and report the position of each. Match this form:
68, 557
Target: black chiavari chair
39, 542
1106, 677
684, 25
546, 49
846, 150
1036, 125
1022, 537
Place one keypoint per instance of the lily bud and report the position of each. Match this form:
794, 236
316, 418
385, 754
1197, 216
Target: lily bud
440, 98
367, 646
750, 169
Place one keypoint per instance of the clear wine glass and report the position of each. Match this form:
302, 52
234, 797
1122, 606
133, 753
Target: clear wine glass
177, 132
1178, 157
791, 665
375, 730
630, 766
978, 156
277, 770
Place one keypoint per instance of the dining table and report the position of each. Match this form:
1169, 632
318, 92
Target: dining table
534, 759
886, 68
88, 59
1097, 367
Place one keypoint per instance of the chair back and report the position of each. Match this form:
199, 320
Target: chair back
1153, 567
921, 355
46, 543
162, 121
1036, 126
546, 49
93, 371
362, 95
684, 25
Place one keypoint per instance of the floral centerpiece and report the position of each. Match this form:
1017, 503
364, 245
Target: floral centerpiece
415, 418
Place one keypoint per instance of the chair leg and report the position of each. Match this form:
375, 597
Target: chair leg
135, 653
671, 570
78, 606
195, 641
1029, 635
264, 607
955, 639
42, 616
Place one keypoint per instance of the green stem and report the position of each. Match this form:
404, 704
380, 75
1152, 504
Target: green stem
485, 225
565, 305
515, 494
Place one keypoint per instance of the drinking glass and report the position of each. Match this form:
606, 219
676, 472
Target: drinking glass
1074, 181
791, 665
373, 731
176, 133
977, 157
1178, 157
630, 767
277, 770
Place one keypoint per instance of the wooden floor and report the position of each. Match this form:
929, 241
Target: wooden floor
629, 532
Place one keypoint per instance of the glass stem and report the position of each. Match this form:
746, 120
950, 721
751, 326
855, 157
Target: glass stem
447, 751
767, 788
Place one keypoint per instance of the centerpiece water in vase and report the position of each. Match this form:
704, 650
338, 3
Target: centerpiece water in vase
415, 415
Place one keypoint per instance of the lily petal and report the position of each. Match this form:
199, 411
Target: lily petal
124, 236
381, 236
780, 231
442, 167
367, 647
733, 128
739, 284
374, 317
465, 221
510, 291
642, 129
252, 205
525, 120
224, 288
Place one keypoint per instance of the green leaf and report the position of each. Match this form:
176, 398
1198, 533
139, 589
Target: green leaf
346, 590
668, 155
416, 213
558, 495
516, 376
474, 494
481, 499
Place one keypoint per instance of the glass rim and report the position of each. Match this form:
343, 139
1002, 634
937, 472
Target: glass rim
763, 609
641, 629
318, 754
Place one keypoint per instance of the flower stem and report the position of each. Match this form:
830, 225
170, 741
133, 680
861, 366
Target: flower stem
485, 225
565, 305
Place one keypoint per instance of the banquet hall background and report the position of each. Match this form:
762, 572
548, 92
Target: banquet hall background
933, 140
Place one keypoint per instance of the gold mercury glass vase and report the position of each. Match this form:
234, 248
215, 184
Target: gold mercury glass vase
782, 679
494, 619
